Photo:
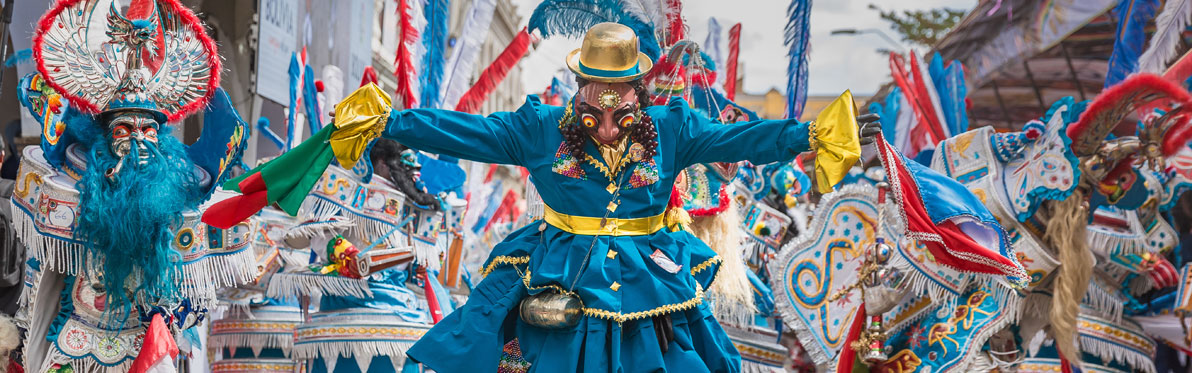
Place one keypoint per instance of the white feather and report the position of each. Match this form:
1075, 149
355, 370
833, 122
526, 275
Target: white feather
1169, 29
417, 50
649, 11
467, 48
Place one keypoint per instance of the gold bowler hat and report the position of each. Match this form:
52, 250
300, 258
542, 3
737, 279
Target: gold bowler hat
609, 54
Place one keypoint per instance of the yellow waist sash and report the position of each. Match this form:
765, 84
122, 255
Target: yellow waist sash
589, 226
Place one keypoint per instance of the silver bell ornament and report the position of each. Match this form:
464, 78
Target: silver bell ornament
885, 286
552, 309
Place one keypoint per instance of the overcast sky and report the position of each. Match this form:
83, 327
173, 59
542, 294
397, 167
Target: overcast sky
837, 62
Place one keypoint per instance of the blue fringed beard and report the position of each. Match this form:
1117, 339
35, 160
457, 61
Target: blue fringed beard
129, 224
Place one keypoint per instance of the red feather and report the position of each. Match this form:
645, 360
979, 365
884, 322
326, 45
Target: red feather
1178, 136
1137, 91
188, 18
674, 20
924, 131
920, 86
722, 204
494, 73
704, 78
734, 50
370, 76
1181, 70
143, 9
403, 62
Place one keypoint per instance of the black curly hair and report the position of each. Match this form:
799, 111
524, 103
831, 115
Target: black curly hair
644, 132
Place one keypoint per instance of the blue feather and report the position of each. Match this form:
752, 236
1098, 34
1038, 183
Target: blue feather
889, 114
573, 18
1130, 37
949, 84
21, 57
709, 63
797, 39
434, 39
310, 99
712, 43
295, 70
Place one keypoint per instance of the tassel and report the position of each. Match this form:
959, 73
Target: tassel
676, 217
494, 74
734, 51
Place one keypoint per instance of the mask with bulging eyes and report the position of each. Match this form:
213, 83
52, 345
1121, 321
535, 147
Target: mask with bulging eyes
607, 111
127, 127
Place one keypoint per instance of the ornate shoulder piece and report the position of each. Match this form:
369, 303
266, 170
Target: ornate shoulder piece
153, 56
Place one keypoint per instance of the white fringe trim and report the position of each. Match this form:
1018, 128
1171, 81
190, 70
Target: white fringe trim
222, 269
1103, 301
55, 254
256, 342
362, 351
535, 207
200, 278
752, 367
1112, 352
288, 286
88, 365
427, 254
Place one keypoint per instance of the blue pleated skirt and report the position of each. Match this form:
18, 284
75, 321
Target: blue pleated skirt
646, 276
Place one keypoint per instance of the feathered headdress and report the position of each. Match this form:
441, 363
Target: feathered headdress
573, 18
154, 57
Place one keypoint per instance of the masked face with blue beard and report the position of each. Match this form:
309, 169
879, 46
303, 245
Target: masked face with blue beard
132, 195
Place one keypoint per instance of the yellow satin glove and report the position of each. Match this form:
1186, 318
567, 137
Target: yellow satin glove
833, 136
359, 119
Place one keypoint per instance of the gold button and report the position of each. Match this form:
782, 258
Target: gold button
610, 225
614, 286
612, 254
612, 207
611, 188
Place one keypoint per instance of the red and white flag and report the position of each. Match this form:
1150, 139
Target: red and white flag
158, 351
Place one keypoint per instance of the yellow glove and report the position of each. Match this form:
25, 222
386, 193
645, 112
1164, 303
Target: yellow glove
835, 141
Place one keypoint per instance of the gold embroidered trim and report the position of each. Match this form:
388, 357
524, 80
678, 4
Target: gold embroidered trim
812, 141
604, 169
663, 310
526, 282
623, 317
504, 260
707, 263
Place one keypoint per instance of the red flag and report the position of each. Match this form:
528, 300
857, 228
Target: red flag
960, 233
158, 351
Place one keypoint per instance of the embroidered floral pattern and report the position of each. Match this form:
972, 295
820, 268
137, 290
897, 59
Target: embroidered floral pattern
567, 165
76, 339
644, 174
